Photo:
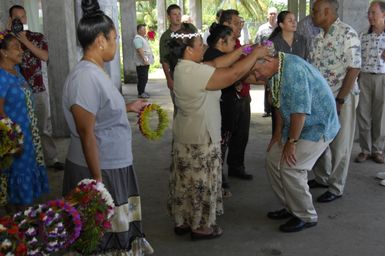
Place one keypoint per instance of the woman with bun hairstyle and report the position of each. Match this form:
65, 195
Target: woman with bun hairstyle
100, 146
221, 41
195, 193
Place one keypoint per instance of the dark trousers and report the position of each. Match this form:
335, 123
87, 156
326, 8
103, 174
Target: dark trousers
236, 120
267, 105
142, 72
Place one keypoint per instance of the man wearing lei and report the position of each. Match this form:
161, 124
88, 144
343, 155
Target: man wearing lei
306, 122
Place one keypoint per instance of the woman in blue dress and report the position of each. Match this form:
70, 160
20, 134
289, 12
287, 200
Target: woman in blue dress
27, 176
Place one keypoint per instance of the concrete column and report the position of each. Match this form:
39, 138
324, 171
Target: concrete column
196, 12
181, 5
59, 29
301, 9
354, 12
128, 23
162, 16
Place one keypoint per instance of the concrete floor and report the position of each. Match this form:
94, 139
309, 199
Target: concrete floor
353, 225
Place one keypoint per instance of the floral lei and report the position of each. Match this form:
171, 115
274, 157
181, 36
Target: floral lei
72, 220
276, 82
144, 125
95, 206
43, 228
11, 239
11, 141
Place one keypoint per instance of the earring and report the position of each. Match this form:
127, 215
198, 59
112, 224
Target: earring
101, 47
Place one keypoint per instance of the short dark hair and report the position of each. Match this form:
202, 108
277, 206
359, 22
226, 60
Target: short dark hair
217, 32
13, 7
93, 22
5, 41
172, 7
139, 26
227, 15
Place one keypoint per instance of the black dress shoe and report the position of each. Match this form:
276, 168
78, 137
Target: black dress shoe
241, 175
58, 166
279, 215
180, 231
314, 184
295, 225
327, 197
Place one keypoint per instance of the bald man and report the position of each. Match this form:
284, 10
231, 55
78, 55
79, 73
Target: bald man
337, 55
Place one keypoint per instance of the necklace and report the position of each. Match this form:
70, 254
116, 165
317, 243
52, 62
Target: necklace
96, 63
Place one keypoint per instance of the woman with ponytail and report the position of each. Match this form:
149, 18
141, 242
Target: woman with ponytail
100, 146
195, 193
220, 42
285, 37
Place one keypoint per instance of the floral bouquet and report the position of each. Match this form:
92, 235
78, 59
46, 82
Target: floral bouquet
96, 207
144, 121
11, 142
44, 228
11, 239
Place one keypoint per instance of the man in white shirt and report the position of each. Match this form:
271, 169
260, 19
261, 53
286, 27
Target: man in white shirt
371, 108
143, 59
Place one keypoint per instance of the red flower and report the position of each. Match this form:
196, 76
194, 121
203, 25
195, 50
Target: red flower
13, 230
106, 224
99, 217
86, 199
21, 249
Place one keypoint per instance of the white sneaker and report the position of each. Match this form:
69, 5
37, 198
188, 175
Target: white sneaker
380, 175
382, 182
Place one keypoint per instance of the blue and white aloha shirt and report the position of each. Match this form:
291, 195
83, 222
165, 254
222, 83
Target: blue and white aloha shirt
373, 45
335, 52
304, 90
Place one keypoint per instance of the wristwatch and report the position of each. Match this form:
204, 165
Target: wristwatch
340, 100
292, 141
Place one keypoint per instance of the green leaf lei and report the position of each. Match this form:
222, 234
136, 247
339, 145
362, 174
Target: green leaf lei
276, 82
144, 125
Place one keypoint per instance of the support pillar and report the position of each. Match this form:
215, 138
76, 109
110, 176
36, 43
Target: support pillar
162, 16
59, 29
355, 14
196, 12
128, 23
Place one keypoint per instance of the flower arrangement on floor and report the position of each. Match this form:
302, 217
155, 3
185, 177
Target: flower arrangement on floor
96, 207
11, 239
11, 141
144, 119
45, 227
76, 223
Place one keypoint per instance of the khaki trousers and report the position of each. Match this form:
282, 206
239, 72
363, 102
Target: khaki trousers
43, 114
332, 167
290, 183
371, 113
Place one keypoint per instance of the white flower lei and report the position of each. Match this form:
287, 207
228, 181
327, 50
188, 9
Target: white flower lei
181, 35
